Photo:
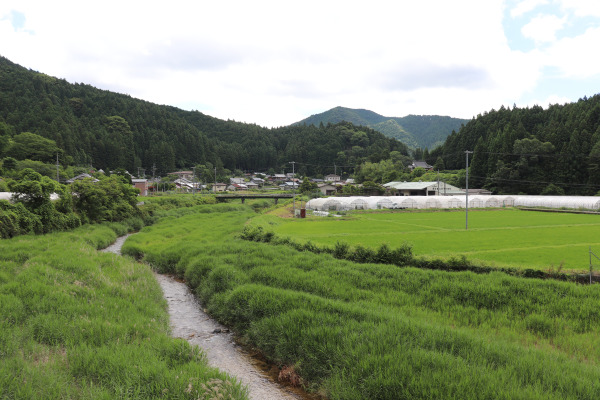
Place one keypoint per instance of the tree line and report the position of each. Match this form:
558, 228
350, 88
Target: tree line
42, 117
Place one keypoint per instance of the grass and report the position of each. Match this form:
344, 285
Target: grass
505, 238
79, 324
357, 331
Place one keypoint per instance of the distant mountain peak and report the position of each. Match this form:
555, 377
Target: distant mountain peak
424, 131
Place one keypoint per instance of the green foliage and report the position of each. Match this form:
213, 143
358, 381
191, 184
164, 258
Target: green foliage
110, 199
307, 186
79, 324
111, 130
28, 145
522, 150
374, 331
413, 130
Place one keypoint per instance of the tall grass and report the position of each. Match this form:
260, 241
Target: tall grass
358, 331
76, 323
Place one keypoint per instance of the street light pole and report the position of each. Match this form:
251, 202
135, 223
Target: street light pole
467, 152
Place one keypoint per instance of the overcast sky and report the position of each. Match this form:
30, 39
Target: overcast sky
274, 63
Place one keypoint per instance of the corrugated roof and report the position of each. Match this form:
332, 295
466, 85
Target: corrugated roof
409, 185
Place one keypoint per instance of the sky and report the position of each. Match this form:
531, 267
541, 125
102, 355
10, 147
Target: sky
277, 62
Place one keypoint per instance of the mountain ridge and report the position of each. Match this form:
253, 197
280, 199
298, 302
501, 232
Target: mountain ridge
416, 131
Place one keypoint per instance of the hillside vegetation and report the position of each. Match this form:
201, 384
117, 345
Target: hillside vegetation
530, 150
41, 116
417, 131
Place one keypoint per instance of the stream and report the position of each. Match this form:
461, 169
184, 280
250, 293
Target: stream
189, 321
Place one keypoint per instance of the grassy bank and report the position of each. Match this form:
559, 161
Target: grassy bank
76, 323
357, 331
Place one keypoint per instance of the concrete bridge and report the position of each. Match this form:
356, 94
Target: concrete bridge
223, 197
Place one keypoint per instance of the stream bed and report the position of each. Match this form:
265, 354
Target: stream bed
189, 321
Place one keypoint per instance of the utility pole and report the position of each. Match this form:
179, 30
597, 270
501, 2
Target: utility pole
193, 180
294, 185
438, 182
153, 171
467, 152
57, 176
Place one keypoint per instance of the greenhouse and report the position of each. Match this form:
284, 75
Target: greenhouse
444, 202
358, 203
574, 202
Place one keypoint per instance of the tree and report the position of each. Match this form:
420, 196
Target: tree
28, 145
307, 186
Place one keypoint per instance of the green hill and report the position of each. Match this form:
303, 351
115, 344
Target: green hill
531, 150
416, 131
41, 116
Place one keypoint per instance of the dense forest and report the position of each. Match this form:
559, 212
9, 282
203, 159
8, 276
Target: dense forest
416, 131
42, 116
530, 150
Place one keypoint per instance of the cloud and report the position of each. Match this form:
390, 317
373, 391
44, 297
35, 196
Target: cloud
419, 74
543, 28
526, 6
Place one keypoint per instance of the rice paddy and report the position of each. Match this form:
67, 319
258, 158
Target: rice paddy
505, 238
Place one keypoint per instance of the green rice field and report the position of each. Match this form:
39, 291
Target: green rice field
503, 238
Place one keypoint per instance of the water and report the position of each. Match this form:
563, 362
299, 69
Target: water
189, 321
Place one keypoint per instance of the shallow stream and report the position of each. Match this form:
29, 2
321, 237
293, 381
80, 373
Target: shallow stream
189, 321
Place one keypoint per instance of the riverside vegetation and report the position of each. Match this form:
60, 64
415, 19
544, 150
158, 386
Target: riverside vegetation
76, 323
379, 331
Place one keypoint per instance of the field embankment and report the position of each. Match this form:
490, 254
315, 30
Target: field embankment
79, 324
358, 331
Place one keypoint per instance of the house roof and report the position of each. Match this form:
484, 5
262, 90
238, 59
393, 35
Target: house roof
80, 177
421, 164
409, 185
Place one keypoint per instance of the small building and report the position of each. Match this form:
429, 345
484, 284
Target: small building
81, 177
420, 164
142, 185
289, 185
327, 189
422, 189
219, 187
239, 181
252, 185
332, 178
278, 177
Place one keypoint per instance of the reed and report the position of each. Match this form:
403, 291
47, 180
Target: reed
76, 323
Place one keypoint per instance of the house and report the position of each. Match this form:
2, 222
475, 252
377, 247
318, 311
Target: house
189, 175
420, 164
252, 185
258, 181
142, 185
327, 189
239, 181
81, 177
219, 187
279, 177
422, 189
234, 187
289, 185
332, 178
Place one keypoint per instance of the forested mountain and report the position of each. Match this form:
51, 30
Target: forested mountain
530, 150
417, 131
41, 116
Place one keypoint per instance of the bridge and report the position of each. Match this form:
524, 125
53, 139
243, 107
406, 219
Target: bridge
223, 197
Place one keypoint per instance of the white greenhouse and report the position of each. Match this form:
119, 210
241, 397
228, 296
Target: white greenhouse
573, 202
